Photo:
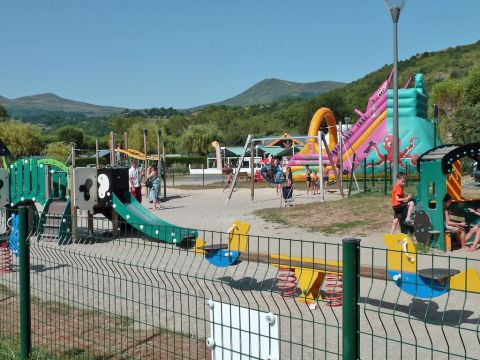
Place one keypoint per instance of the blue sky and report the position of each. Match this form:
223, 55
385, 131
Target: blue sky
183, 53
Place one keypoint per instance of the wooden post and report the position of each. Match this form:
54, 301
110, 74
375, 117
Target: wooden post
90, 222
252, 171
340, 154
145, 132
125, 138
114, 223
164, 171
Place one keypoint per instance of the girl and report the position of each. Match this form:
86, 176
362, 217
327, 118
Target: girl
153, 193
316, 183
308, 178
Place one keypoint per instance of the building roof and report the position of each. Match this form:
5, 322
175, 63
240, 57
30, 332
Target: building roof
286, 137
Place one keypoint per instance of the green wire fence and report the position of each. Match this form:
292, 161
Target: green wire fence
106, 297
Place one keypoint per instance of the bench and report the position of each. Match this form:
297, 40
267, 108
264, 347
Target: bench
438, 274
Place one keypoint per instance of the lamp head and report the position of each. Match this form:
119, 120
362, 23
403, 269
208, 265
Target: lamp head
395, 7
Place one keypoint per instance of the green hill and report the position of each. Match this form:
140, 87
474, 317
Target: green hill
451, 63
270, 90
41, 104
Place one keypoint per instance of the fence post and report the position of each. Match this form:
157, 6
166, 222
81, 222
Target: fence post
24, 286
173, 177
373, 174
203, 176
351, 290
365, 175
385, 174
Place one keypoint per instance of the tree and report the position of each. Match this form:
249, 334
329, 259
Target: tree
3, 114
197, 139
22, 139
472, 87
71, 134
57, 150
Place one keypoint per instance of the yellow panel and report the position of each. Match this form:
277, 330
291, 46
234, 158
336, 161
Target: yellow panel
309, 282
454, 181
400, 257
467, 280
238, 238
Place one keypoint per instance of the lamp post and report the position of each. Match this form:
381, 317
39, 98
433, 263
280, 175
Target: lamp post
435, 123
395, 7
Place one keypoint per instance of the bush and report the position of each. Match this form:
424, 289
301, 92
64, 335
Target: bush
186, 160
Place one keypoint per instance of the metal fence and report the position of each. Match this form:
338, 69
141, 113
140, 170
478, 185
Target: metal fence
106, 297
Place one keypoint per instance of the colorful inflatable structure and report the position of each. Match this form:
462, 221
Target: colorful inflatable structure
370, 137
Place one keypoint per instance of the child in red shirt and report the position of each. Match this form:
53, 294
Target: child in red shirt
400, 202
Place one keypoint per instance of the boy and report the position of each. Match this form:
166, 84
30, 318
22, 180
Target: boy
400, 202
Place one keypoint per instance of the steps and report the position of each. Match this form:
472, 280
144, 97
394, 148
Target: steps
55, 224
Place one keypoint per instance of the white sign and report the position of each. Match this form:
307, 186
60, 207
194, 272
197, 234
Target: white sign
238, 333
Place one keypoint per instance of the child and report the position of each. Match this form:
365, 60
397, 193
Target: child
316, 183
325, 178
308, 178
400, 202
474, 230
456, 227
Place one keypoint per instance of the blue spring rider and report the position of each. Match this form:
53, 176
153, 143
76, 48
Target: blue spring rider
12, 225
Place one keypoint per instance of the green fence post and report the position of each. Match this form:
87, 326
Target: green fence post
373, 174
385, 175
24, 286
351, 292
365, 175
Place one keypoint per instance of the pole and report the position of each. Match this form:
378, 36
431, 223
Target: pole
73, 209
351, 293
435, 121
24, 286
203, 175
111, 147
385, 174
164, 171
252, 171
96, 153
145, 132
320, 164
395, 12
373, 173
351, 176
365, 175
159, 168
113, 153
125, 139
340, 153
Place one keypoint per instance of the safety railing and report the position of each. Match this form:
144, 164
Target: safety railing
112, 293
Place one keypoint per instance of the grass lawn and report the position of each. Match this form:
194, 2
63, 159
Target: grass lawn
358, 215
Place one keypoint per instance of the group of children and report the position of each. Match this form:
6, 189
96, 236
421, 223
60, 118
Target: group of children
313, 180
403, 205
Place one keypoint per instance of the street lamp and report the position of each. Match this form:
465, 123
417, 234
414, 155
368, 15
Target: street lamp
395, 7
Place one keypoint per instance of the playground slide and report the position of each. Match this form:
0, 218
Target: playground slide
133, 213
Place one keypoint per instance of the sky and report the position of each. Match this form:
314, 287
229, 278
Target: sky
185, 53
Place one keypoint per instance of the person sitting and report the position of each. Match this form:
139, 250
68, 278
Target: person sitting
475, 229
456, 227
401, 202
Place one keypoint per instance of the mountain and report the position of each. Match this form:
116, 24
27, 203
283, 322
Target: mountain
41, 104
270, 90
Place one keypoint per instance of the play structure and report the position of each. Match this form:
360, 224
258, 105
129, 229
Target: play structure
370, 137
61, 191
427, 283
440, 173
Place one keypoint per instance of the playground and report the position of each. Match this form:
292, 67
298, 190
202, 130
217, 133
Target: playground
209, 259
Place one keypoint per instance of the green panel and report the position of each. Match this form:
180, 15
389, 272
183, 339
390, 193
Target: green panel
34, 176
144, 221
13, 182
65, 231
431, 174
55, 163
19, 166
41, 198
27, 189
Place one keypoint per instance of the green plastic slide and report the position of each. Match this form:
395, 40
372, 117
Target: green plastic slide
132, 212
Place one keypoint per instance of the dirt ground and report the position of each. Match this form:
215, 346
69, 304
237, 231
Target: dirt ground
66, 332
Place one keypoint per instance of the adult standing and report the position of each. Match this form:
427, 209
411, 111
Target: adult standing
153, 192
308, 178
134, 177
